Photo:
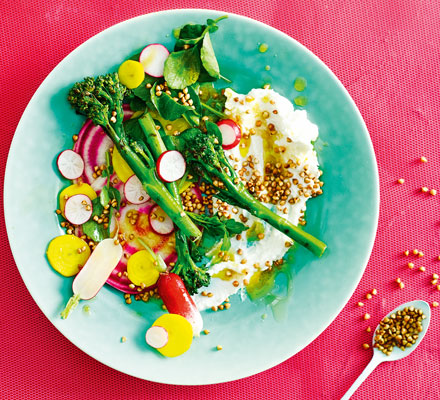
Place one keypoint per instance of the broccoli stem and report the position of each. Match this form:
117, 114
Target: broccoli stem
245, 200
153, 186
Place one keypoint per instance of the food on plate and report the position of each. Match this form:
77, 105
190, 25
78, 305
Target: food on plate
180, 190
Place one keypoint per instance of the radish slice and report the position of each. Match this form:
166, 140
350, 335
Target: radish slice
171, 166
95, 272
157, 337
153, 59
70, 164
231, 133
78, 209
160, 223
134, 191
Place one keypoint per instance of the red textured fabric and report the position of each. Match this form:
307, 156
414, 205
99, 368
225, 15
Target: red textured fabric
386, 53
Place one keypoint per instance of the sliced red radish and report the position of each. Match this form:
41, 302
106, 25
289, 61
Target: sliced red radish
157, 337
177, 300
231, 133
95, 272
171, 166
134, 191
160, 223
78, 209
153, 59
70, 164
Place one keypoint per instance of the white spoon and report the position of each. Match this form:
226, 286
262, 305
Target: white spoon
397, 354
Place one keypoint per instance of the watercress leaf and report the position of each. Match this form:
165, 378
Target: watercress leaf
182, 68
208, 58
104, 197
193, 92
167, 107
142, 91
191, 31
115, 194
132, 129
137, 104
213, 129
91, 228
234, 227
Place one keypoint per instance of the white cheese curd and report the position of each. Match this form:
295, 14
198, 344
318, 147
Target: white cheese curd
272, 132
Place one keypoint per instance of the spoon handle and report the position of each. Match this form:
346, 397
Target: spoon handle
367, 371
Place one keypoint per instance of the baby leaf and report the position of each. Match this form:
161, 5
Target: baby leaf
91, 228
208, 58
182, 68
167, 107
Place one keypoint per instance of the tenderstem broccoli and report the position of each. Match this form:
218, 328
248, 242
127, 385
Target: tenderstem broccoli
204, 154
193, 276
101, 99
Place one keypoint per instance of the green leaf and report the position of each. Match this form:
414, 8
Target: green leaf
167, 107
208, 58
213, 129
182, 68
142, 91
91, 228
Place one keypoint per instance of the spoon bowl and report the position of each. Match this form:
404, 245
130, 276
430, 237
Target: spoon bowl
397, 353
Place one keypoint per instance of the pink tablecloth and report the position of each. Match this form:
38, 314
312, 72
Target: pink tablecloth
386, 53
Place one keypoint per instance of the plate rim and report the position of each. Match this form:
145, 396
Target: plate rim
353, 107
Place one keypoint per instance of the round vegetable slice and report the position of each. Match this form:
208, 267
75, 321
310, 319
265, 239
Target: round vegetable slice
153, 59
160, 222
72, 190
70, 164
141, 269
66, 253
231, 133
180, 334
171, 166
134, 191
78, 209
121, 168
157, 337
131, 73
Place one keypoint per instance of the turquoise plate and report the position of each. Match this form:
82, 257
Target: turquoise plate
345, 217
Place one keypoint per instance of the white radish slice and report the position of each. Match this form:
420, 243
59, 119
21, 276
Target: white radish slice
157, 337
231, 133
78, 209
153, 59
134, 191
171, 166
160, 223
93, 275
97, 269
70, 164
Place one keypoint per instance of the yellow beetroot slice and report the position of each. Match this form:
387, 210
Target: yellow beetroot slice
67, 253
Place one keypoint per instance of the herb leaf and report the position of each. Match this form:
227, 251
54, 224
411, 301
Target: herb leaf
182, 68
208, 58
91, 228
167, 107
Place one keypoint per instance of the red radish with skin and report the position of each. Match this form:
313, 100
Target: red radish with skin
160, 223
153, 59
177, 300
231, 133
171, 166
157, 337
95, 272
70, 164
134, 192
78, 209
